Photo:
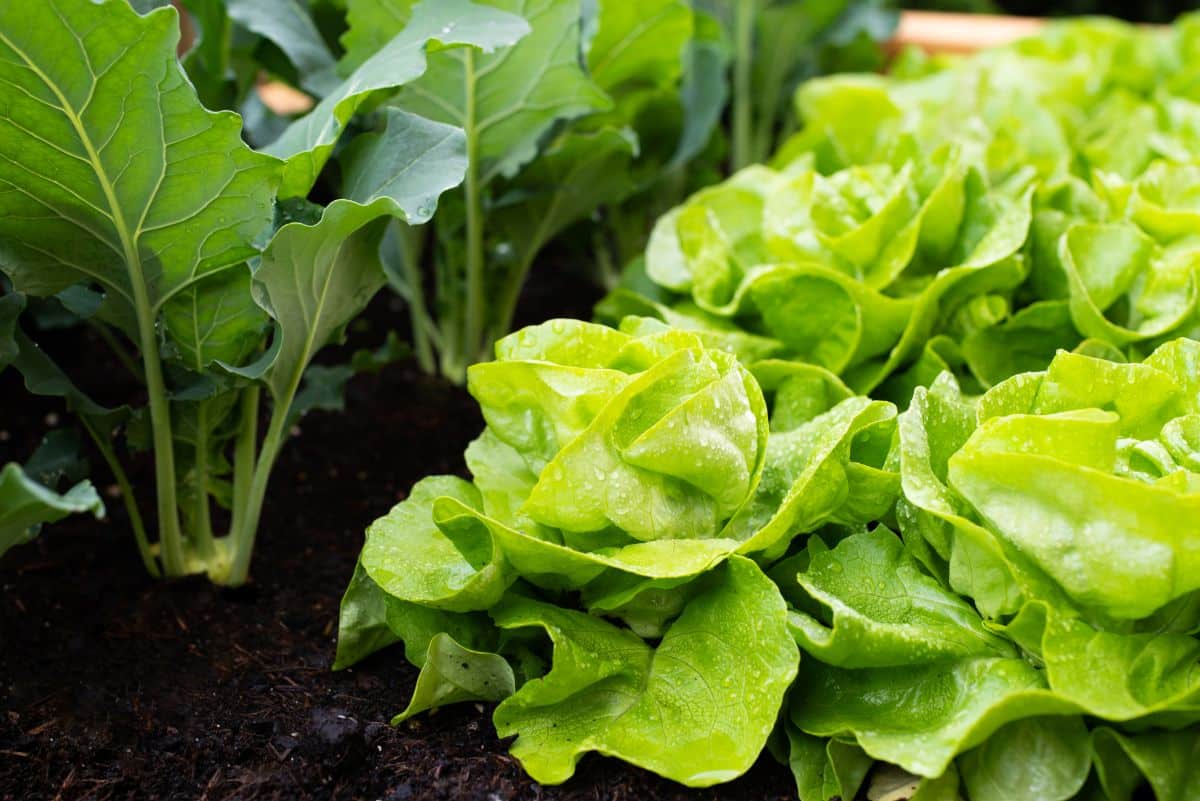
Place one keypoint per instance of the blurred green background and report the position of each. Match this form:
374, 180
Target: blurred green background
1145, 11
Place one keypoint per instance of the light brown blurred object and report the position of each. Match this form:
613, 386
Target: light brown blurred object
187, 30
941, 32
283, 99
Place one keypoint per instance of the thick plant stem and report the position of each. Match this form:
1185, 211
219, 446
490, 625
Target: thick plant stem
417, 309
127, 498
203, 516
743, 32
606, 274
246, 531
450, 323
170, 536
243, 458
510, 294
474, 322
454, 367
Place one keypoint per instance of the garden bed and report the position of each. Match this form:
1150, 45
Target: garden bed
883, 347
118, 687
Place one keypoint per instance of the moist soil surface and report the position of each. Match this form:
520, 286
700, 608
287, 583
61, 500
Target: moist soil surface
116, 686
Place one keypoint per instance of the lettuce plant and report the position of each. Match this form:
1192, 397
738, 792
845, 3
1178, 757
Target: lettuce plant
998, 208
1040, 615
120, 187
624, 494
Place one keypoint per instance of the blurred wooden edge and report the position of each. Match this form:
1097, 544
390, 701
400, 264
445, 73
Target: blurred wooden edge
284, 100
942, 32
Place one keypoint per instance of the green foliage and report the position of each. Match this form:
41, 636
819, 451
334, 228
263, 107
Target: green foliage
585, 123
636, 491
777, 44
999, 207
1045, 517
28, 496
121, 187
574, 121
993, 591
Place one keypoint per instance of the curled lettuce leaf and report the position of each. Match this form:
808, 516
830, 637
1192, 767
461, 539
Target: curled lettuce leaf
1072, 471
697, 708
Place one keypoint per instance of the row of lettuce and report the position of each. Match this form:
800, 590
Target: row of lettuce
132, 203
890, 456
678, 524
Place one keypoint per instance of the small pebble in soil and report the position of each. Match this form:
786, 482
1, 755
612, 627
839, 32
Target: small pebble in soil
284, 743
333, 725
401, 792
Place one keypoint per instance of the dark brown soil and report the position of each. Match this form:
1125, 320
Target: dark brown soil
113, 686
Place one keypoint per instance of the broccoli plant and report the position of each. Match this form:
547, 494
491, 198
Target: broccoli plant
116, 183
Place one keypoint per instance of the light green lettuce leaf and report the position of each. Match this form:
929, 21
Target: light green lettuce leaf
808, 475
1165, 760
1106, 263
1045, 483
879, 608
1043, 758
431, 550
671, 456
920, 717
452, 674
730, 214
865, 220
939, 526
1123, 676
1164, 202
797, 392
362, 620
825, 769
697, 708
